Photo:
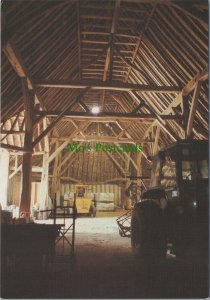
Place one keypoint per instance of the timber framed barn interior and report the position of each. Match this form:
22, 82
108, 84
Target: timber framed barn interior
104, 149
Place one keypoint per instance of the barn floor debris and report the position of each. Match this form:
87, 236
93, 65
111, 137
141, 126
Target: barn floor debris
104, 268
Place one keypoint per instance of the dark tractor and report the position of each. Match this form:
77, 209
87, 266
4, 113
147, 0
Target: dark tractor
176, 206
148, 230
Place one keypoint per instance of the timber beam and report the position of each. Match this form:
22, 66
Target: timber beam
109, 115
34, 169
16, 132
15, 148
102, 139
25, 202
102, 85
66, 178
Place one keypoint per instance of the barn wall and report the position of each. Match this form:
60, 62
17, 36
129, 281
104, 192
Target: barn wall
14, 191
96, 188
4, 163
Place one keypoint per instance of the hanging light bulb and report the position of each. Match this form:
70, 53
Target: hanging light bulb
95, 110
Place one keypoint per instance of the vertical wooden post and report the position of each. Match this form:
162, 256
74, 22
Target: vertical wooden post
139, 173
186, 111
28, 98
127, 167
43, 203
56, 179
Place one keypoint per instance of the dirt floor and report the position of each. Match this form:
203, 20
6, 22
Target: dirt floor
103, 267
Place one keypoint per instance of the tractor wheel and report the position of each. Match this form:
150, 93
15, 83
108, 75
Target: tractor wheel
135, 237
148, 238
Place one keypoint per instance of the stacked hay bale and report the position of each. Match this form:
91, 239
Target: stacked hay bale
104, 201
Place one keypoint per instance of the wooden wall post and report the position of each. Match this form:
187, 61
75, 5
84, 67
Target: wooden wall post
28, 98
43, 202
186, 111
56, 180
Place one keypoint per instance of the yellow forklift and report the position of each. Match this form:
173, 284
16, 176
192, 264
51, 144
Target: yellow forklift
84, 205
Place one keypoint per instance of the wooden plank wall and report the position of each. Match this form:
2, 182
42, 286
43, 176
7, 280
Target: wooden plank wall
14, 191
96, 188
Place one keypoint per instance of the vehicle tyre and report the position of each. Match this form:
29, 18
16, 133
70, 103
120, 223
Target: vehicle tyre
135, 237
148, 237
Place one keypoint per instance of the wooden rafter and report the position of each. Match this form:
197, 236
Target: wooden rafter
120, 102
201, 18
140, 39
160, 120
